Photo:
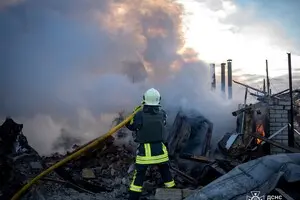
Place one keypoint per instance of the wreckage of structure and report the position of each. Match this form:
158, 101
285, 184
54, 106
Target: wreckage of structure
241, 164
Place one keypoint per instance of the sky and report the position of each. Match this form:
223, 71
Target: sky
67, 67
248, 32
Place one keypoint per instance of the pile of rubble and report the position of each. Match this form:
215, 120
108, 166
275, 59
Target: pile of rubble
105, 171
109, 168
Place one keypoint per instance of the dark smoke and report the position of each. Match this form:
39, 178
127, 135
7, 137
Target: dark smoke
71, 65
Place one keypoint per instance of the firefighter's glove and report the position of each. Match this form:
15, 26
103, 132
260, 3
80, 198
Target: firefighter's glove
136, 108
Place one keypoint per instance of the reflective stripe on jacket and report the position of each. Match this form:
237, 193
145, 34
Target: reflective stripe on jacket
152, 153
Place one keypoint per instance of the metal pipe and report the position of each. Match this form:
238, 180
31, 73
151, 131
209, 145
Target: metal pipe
213, 76
276, 144
268, 80
229, 76
223, 77
297, 131
291, 120
276, 133
273, 135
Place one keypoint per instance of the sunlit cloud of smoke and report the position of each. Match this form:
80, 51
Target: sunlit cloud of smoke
70, 66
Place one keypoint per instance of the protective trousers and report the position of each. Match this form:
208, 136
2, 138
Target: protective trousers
139, 176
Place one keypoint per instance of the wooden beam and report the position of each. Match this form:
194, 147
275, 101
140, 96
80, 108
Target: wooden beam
277, 144
248, 86
285, 195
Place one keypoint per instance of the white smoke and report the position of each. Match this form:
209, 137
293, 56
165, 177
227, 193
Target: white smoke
70, 66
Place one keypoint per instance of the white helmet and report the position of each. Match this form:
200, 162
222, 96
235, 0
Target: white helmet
152, 97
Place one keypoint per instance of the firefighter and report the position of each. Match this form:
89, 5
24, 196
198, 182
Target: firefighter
149, 125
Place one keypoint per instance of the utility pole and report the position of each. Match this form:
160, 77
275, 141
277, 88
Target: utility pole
291, 120
268, 80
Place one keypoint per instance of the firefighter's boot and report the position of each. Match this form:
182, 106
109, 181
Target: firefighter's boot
134, 195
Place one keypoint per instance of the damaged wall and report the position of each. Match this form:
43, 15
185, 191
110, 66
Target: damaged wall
278, 112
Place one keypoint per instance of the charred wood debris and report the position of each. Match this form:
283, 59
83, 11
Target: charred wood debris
106, 171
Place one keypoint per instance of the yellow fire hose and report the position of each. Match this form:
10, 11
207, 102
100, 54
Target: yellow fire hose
73, 156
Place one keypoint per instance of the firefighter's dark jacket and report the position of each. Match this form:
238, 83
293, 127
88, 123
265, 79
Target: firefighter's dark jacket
149, 125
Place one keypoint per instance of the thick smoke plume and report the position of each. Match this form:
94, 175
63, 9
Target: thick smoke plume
68, 66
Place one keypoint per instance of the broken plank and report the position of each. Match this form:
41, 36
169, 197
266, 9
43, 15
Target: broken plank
248, 86
277, 144
237, 112
197, 158
210, 162
187, 177
218, 168
285, 195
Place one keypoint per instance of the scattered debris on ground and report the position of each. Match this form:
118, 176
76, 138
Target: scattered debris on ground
105, 171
